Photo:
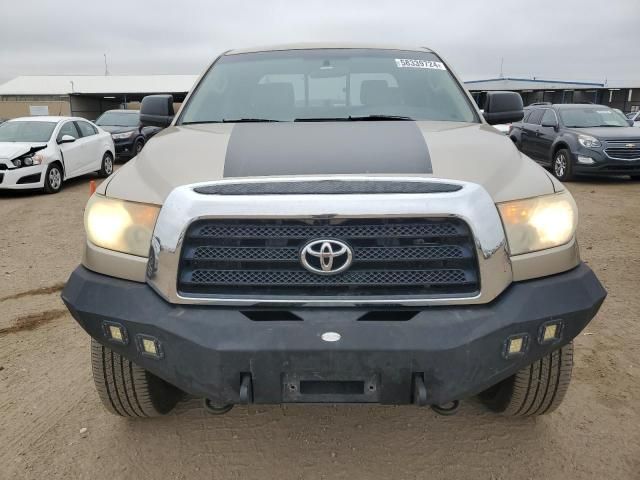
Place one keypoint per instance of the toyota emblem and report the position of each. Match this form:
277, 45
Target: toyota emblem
326, 257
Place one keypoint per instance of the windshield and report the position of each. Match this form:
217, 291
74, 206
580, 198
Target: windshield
631, 115
592, 117
26, 131
331, 84
117, 119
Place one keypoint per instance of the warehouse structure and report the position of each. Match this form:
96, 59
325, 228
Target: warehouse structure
624, 96
89, 95
85, 95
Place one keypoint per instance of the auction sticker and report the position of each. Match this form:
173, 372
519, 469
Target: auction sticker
410, 63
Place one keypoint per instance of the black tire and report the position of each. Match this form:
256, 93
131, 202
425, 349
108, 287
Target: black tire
561, 166
128, 390
107, 165
534, 390
138, 146
53, 179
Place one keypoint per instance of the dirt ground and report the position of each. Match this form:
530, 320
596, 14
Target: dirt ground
53, 426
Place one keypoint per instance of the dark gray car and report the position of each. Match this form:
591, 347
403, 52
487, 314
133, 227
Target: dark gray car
577, 139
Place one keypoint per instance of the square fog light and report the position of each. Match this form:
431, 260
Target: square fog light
550, 332
149, 346
115, 332
516, 345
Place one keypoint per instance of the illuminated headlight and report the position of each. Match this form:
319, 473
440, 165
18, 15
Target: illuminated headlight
588, 141
120, 225
121, 136
539, 223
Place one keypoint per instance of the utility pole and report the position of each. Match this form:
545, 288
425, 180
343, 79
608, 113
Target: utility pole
501, 67
106, 68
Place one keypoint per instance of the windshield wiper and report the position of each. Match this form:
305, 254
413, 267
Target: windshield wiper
232, 120
354, 118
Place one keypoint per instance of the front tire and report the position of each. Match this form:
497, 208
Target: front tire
128, 390
534, 390
562, 166
107, 165
139, 145
53, 178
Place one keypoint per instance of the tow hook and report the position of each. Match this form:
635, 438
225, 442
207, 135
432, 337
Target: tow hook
215, 409
447, 409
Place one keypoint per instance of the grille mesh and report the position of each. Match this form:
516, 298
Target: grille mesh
391, 256
378, 278
303, 231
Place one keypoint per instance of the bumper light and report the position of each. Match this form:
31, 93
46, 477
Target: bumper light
586, 160
550, 332
119, 225
516, 345
539, 223
115, 332
149, 346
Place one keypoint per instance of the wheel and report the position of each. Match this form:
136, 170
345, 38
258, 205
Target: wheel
137, 148
53, 178
561, 166
128, 390
107, 165
534, 390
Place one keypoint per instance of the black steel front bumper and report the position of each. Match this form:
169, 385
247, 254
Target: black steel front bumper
457, 350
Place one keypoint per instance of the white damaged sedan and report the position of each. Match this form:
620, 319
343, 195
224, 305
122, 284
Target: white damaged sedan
43, 152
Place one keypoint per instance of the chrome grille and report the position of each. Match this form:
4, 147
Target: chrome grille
391, 256
622, 149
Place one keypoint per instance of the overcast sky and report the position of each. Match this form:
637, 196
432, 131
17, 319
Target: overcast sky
559, 39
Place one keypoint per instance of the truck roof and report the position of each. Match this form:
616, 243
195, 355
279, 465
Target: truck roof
325, 45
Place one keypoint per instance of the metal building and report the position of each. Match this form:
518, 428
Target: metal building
624, 96
85, 95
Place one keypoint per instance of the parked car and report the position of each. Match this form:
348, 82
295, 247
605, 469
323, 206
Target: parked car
128, 134
43, 152
635, 118
575, 139
343, 226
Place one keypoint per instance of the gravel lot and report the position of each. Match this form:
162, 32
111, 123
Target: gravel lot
53, 426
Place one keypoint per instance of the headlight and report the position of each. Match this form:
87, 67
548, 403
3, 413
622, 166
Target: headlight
120, 225
28, 161
588, 141
120, 136
538, 223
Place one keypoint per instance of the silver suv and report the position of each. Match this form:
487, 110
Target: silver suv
332, 224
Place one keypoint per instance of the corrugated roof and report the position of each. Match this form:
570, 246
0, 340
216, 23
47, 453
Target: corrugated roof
528, 84
97, 84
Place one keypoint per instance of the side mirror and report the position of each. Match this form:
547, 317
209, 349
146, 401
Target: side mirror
553, 125
156, 111
503, 107
67, 139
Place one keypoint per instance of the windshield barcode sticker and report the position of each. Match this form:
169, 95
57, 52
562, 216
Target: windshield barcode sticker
409, 63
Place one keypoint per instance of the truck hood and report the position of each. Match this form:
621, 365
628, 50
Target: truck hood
11, 150
475, 153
